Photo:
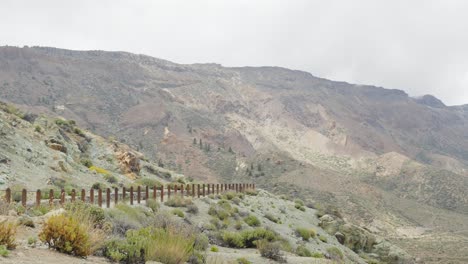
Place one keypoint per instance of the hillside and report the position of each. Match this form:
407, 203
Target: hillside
388, 161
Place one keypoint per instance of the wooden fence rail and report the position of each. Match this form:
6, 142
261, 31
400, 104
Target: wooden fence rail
150, 192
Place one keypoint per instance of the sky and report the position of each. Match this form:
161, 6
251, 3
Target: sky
419, 46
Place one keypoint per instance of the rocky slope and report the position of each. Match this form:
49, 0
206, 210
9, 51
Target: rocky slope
361, 148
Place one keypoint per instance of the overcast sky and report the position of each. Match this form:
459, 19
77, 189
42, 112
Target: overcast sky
419, 46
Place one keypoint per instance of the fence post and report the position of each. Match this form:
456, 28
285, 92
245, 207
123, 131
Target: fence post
62, 197
124, 193
51, 197
182, 190
168, 192
154, 192
83, 195
198, 192
217, 188
116, 196
38, 198
8, 195
91, 196
175, 189
131, 195
107, 198
24, 197
100, 197
138, 193
146, 193
208, 187
221, 187
193, 189
203, 190
162, 193
73, 194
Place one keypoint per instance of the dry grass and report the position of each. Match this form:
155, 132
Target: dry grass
7, 234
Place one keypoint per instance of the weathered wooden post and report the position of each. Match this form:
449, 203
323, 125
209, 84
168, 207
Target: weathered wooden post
124, 193
91, 196
222, 187
62, 197
154, 192
138, 194
8, 195
203, 190
162, 193
146, 193
73, 195
38, 198
83, 195
217, 188
24, 196
182, 190
175, 189
193, 189
100, 197
51, 197
108, 197
168, 192
198, 192
131, 195
208, 187
116, 196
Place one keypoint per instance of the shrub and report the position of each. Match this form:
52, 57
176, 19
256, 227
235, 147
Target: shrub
303, 251
193, 209
299, 202
86, 162
153, 204
7, 234
335, 253
272, 218
178, 212
252, 220
178, 202
238, 225
25, 221
4, 251
271, 250
152, 244
323, 238
243, 261
317, 255
149, 182
70, 235
99, 170
305, 233
38, 129
32, 241
299, 207
97, 185
233, 239
110, 178
79, 132
214, 249
88, 212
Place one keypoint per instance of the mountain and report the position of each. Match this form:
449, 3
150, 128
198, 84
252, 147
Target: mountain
392, 163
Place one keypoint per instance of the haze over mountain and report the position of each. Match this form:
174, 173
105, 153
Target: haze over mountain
391, 162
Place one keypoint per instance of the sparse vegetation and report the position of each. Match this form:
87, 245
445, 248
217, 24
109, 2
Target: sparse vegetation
7, 234
335, 253
178, 212
305, 233
178, 202
271, 250
272, 218
4, 252
252, 220
302, 251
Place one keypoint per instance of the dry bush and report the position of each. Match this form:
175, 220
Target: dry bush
7, 234
271, 250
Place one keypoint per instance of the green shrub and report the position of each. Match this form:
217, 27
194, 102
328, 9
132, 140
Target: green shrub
4, 252
97, 185
38, 129
110, 178
317, 255
178, 202
90, 212
79, 132
86, 162
305, 233
302, 251
193, 209
299, 207
153, 204
149, 182
243, 261
252, 220
272, 218
178, 212
238, 225
323, 238
299, 202
201, 242
233, 239
335, 253
271, 250
26, 221
214, 249
32, 241
152, 244
7, 234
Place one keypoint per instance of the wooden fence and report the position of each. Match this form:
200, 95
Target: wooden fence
130, 195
